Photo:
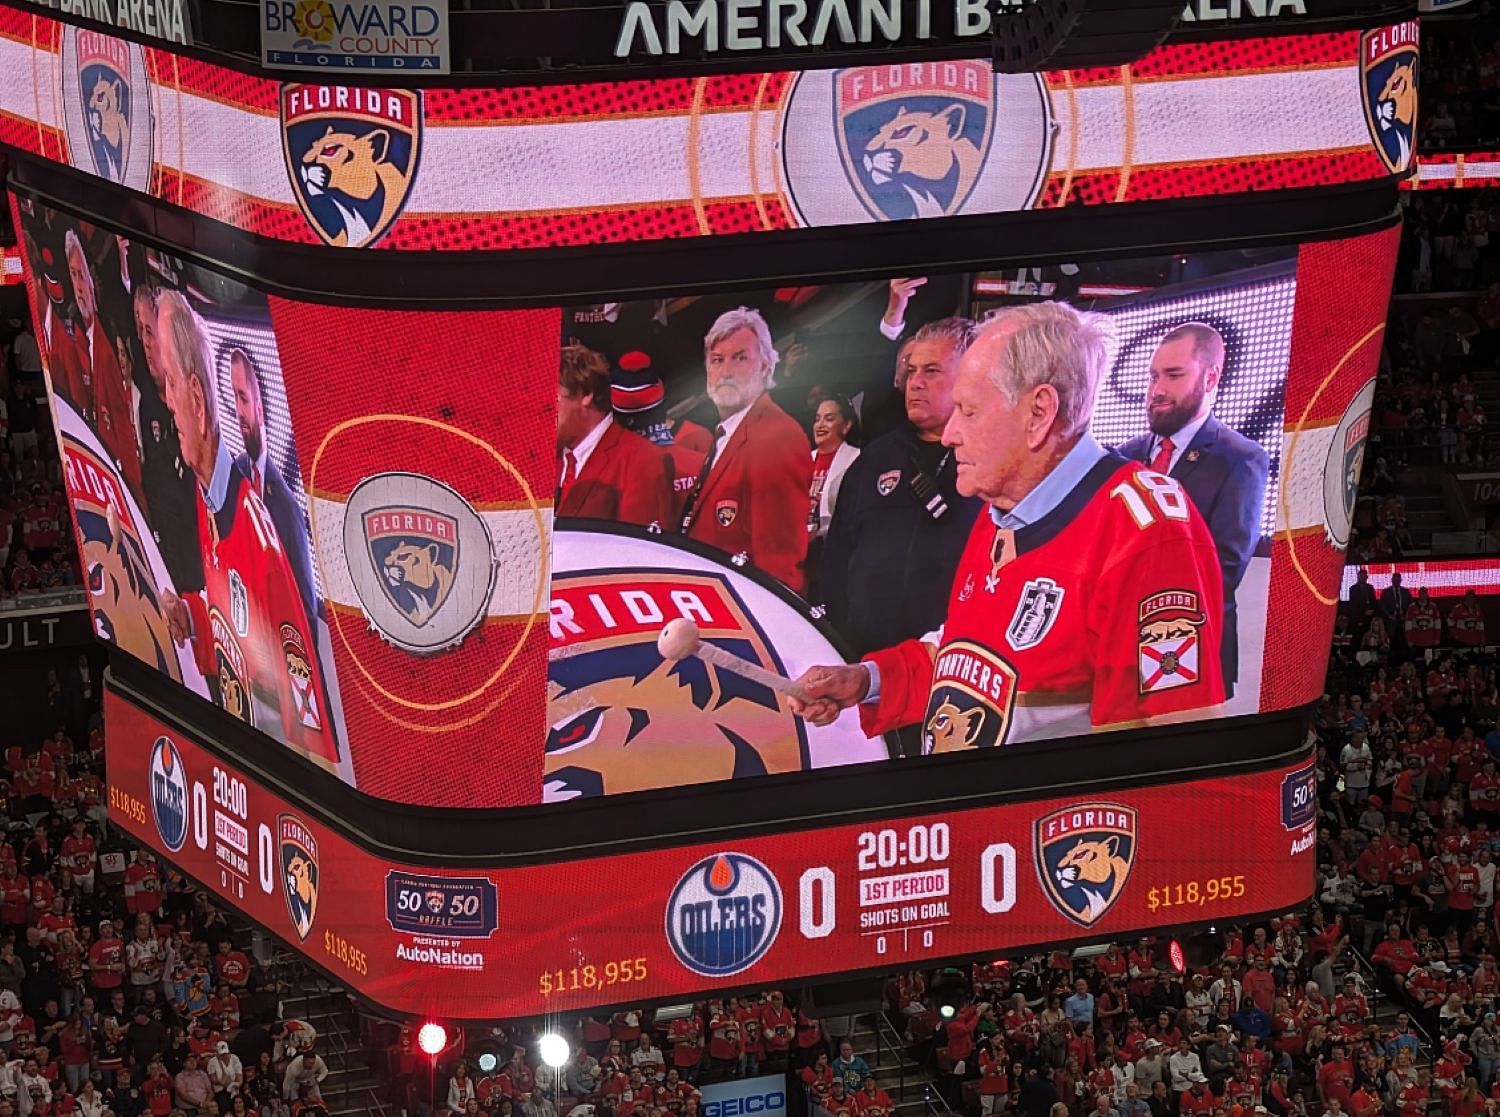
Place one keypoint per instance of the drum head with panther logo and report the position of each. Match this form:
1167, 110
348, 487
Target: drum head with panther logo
622, 718
420, 559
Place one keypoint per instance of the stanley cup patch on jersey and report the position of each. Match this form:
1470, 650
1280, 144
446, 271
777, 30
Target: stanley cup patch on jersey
1171, 633
1041, 600
973, 694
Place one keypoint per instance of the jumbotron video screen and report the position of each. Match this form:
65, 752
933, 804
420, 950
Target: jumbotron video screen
490, 565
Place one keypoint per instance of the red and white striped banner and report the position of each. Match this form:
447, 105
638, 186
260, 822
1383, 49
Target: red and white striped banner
630, 161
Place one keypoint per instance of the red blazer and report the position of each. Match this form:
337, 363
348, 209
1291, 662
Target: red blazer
755, 497
627, 478
114, 417
65, 363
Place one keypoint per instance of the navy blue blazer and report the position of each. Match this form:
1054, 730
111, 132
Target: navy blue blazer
1224, 474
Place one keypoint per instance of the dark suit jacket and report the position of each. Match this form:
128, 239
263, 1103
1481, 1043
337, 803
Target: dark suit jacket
1224, 474
756, 497
627, 478
290, 526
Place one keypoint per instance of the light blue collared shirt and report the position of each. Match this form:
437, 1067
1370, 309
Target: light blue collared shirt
1074, 467
218, 484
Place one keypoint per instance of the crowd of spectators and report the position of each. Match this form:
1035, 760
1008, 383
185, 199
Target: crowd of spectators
1461, 80
123, 992
37, 551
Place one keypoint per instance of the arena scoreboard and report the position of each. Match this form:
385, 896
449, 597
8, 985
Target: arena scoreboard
389, 658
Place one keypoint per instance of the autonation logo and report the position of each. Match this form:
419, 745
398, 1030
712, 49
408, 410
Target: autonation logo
749, 1097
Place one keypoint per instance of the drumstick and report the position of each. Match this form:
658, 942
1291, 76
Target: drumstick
679, 639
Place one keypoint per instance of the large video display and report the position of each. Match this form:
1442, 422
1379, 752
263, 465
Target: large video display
485, 942
503, 558
458, 170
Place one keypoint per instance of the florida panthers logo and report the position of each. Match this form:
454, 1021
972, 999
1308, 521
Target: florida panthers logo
914, 148
427, 568
106, 107
123, 598
1341, 470
417, 552
1084, 854
352, 157
1390, 81
104, 86
299, 872
624, 719
973, 694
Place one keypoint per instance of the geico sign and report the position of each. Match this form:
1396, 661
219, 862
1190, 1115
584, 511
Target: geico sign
771, 1102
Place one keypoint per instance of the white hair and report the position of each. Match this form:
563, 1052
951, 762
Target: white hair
189, 342
745, 318
1052, 343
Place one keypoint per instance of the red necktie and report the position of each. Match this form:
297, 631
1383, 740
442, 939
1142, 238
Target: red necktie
569, 475
1163, 460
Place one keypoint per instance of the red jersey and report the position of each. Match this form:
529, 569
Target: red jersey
251, 635
15, 899
1107, 609
1484, 792
1466, 625
1424, 625
1463, 886
103, 956
79, 854
234, 968
142, 888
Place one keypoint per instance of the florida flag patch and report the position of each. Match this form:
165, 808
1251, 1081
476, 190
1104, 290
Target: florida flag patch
1170, 637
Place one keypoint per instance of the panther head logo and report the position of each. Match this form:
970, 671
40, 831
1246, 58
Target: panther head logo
355, 174
951, 729
654, 723
299, 872
109, 126
417, 578
124, 601
352, 156
914, 143
1390, 81
1096, 869
1084, 854
927, 155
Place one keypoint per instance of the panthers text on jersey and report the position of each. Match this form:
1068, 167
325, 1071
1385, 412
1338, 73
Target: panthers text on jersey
1104, 613
252, 637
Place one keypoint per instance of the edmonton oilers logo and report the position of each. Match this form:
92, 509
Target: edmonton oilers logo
168, 794
723, 915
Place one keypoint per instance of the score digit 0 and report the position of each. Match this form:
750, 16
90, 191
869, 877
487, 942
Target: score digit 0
817, 895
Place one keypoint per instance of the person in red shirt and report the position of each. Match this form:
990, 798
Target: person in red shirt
1414, 1097
1466, 621
231, 965
1463, 887
1260, 983
779, 1027
1112, 963
1396, 955
818, 1078
15, 896
142, 886
158, 1089
872, 1101
257, 650
1197, 1098
80, 853
994, 1077
106, 964
1336, 1077
723, 1035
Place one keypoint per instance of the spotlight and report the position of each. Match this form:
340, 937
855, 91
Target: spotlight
950, 991
432, 1038
553, 1050
1176, 956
